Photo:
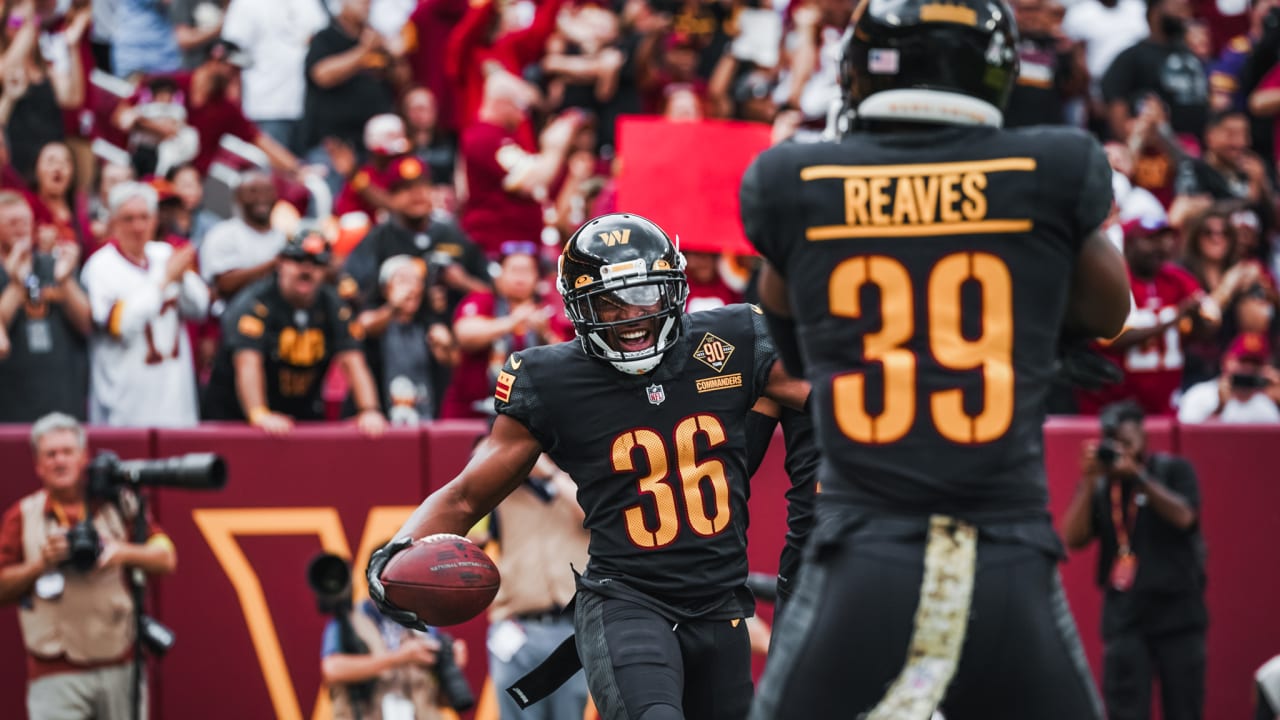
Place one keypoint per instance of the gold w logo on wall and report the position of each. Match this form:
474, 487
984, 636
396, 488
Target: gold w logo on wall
616, 237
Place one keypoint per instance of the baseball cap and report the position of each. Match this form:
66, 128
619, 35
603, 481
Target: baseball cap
1250, 347
384, 135
1145, 227
307, 246
405, 171
228, 52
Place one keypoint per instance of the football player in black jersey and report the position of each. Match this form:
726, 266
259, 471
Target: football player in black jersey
646, 412
920, 272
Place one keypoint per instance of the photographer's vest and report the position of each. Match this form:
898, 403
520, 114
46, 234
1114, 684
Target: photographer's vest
93, 619
412, 682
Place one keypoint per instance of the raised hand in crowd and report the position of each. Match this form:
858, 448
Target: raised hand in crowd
18, 265
66, 262
77, 23
16, 83
182, 260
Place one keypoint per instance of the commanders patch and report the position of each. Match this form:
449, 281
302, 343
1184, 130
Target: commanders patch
250, 326
725, 382
502, 390
713, 351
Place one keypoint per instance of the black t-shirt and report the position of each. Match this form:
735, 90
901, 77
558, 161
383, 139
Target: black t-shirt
1042, 76
342, 110
183, 12
660, 460
296, 345
48, 365
1168, 590
1171, 71
929, 273
440, 244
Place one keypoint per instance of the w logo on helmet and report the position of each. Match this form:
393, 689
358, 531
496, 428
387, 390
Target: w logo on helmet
616, 237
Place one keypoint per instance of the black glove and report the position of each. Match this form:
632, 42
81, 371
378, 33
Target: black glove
378, 594
1081, 367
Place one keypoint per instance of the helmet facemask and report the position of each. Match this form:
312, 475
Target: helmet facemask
622, 285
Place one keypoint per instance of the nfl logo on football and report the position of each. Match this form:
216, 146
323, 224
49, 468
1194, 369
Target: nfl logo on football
656, 394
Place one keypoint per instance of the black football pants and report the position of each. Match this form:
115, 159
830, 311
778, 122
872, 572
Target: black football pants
1132, 660
845, 637
641, 667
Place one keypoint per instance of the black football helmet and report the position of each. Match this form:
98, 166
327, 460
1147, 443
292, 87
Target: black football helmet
623, 259
928, 47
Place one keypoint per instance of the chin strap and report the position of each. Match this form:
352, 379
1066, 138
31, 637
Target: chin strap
932, 106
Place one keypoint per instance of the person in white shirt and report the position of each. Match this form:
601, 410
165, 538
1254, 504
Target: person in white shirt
1245, 392
238, 251
275, 34
1106, 27
141, 371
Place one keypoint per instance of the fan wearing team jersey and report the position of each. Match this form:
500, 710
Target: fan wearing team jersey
279, 336
1168, 304
140, 291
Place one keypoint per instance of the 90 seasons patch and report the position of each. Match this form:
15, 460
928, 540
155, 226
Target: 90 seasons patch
714, 352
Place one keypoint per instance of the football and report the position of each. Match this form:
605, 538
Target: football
444, 579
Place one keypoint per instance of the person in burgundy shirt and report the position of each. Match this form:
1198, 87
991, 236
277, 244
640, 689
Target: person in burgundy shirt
211, 97
507, 179
426, 44
489, 326
707, 289
488, 36
1168, 304
368, 190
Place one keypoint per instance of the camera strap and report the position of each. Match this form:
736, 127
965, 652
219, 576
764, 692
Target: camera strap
64, 518
1124, 568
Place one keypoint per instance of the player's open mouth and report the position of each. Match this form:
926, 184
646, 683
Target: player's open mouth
634, 339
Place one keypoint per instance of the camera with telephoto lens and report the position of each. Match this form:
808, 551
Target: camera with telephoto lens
195, 471
1107, 453
330, 579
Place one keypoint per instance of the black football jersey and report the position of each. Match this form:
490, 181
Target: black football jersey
296, 346
928, 274
660, 459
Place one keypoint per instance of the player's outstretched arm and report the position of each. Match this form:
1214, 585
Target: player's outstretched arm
1099, 300
499, 465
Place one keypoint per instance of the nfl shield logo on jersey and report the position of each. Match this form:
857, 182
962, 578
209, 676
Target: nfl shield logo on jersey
656, 394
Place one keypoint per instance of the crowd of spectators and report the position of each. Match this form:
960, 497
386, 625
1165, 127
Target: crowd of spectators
167, 160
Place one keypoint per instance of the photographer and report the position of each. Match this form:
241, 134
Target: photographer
62, 553
1144, 510
377, 669
1245, 392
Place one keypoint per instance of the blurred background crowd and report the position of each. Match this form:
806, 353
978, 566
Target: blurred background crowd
302, 210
